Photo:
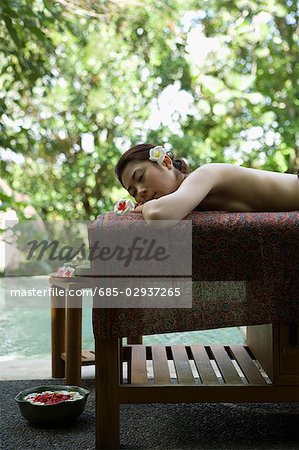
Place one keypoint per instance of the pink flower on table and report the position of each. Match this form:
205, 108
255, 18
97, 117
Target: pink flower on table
65, 272
69, 271
124, 206
60, 272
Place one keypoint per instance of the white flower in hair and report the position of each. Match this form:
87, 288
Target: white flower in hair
124, 206
157, 154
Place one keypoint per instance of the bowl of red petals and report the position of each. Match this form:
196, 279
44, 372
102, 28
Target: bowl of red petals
48, 405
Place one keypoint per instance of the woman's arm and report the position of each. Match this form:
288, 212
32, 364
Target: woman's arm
178, 204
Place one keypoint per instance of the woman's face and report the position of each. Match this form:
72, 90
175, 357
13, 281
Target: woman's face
145, 180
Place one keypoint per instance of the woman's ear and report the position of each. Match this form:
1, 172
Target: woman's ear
167, 162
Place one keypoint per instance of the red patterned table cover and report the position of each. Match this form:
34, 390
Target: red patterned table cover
245, 271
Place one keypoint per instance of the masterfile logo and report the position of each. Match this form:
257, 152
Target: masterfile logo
130, 264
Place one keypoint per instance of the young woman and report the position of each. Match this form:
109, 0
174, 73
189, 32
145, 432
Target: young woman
164, 188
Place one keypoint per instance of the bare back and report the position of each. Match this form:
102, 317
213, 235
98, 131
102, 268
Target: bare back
245, 189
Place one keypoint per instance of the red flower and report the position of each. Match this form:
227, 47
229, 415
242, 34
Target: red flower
122, 206
51, 399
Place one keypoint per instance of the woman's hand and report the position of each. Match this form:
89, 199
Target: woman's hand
138, 209
145, 207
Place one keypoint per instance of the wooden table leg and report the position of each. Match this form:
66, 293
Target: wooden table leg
57, 332
107, 393
73, 337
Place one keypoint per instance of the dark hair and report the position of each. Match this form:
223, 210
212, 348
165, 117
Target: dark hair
141, 153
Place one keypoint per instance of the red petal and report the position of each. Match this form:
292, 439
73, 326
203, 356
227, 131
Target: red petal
122, 206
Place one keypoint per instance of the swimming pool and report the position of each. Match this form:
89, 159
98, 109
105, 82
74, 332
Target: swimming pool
26, 333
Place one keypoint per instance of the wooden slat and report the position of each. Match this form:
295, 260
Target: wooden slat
248, 367
228, 372
203, 365
138, 365
178, 393
182, 365
160, 365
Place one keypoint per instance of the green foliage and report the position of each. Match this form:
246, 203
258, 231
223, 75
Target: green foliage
93, 71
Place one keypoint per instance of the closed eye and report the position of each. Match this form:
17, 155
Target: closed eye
134, 191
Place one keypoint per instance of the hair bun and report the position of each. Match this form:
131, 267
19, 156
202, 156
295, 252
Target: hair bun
182, 165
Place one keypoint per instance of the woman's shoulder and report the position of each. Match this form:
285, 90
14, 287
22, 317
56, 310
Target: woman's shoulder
220, 166
206, 178
217, 169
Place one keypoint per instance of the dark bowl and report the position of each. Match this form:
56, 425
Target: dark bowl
59, 413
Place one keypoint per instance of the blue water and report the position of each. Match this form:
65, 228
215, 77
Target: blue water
26, 332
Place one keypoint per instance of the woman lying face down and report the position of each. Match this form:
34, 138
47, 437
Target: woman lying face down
164, 188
